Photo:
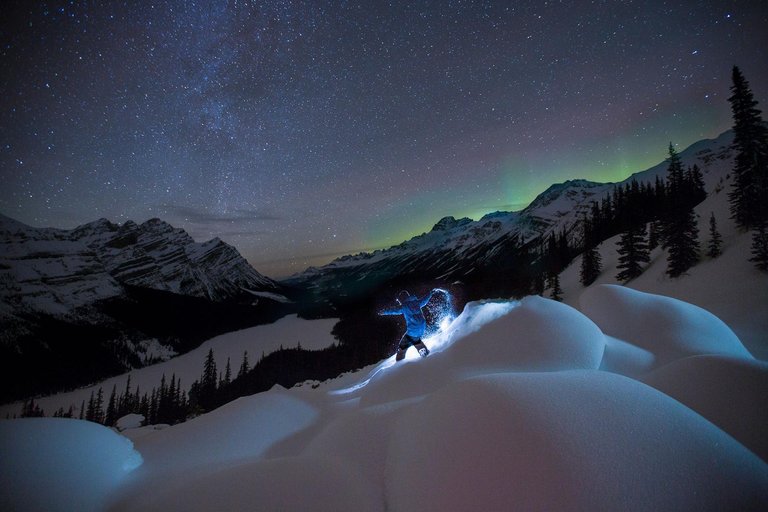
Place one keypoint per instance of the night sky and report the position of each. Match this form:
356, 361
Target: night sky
301, 131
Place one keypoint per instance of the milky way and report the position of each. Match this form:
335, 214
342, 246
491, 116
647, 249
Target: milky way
300, 131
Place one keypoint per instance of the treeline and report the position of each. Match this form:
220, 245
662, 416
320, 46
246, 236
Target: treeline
169, 403
648, 216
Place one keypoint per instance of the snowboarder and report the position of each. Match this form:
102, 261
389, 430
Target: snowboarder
416, 324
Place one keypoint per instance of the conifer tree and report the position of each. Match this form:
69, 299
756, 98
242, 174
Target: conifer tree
675, 174
209, 371
90, 412
714, 246
99, 407
556, 292
750, 171
633, 250
125, 403
591, 263
227, 374
32, 410
244, 366
760, 247
144, 408
695, 183
680, 233
206, 392
683, 244
111, 417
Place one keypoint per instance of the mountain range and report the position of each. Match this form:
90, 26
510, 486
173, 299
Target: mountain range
484, 250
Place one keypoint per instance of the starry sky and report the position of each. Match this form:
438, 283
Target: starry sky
302, 131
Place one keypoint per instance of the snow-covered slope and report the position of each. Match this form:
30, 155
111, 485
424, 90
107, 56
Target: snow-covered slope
515, 409
459, 249
729, 286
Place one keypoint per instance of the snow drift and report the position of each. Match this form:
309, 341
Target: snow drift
636, 402
52, 464
576, 440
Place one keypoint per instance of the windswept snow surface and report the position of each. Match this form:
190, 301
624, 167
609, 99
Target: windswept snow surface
52, 464
636, 402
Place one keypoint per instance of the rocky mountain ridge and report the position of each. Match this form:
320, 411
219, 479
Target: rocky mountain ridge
57, 271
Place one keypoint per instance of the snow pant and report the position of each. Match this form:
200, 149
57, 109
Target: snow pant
406, 342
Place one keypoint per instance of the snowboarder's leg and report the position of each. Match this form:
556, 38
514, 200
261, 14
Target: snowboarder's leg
402, 347
423, 350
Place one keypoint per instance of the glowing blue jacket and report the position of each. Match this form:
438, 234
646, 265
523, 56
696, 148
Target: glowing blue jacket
415, 322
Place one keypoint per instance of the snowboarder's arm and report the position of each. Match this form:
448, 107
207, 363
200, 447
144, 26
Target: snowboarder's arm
391, 311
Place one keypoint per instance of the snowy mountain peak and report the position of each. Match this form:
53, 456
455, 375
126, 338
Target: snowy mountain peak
570, 188
447, 223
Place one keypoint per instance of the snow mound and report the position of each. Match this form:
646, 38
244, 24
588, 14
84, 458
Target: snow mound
56, 464
625, 358
669, 328
534, 334
537, 335
576, 440
361, 438
286, 484
409, 379
244, 428
729, 392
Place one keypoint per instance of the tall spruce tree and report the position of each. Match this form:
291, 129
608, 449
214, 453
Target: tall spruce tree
591, 263
556, 292
750, 172
715, 244
697, 191
680, 233
245, 367
633, 251
111, 417
683, 244
227, 374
